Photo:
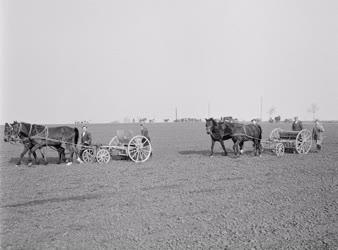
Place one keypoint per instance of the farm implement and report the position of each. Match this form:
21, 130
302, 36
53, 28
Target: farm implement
282, 140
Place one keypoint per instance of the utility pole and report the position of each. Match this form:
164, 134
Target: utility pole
261, 109
176, 114
208, 109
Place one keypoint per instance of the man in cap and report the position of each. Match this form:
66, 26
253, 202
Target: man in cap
297, 124
317, 133
145, 133
86, 139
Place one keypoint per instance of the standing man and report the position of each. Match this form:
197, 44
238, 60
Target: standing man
145, 133
86, 139
297, 125
317, 133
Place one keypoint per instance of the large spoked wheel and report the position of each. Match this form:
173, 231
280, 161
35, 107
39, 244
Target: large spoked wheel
88, 155
275, 134
303, 141
139, 149
279, 149
103, 156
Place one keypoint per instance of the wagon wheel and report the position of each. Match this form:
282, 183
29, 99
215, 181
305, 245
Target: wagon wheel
303, 141
279, 149
139, 148
88, 155
103, 156
274, 135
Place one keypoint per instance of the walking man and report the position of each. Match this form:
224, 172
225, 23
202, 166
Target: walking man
317, 133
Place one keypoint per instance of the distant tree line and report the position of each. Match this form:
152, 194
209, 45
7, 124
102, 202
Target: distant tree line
77, 123
188, 120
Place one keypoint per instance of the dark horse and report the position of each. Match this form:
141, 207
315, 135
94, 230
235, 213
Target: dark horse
43, 136
240, 133
27, 143
216, 131
12, 136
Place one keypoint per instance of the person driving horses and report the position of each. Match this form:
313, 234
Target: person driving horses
86, 139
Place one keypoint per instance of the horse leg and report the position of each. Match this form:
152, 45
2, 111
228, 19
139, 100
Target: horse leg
22, 155
241, 151
78, 155
61, 152
212, 147
43, 156
29, 147
35, 157
236, 148
222, 144
33, 149
258, 147
70, 159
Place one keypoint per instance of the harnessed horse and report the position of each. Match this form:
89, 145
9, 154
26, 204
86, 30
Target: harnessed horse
244, 132
43, 136
239, 133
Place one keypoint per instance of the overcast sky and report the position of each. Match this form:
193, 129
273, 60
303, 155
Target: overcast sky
68, 60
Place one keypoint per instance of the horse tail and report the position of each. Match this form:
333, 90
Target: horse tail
260, 132
76, 137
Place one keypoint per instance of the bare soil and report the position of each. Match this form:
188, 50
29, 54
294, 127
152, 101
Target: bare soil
179, 199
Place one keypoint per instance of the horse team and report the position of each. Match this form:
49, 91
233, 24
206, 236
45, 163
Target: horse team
239, 133
35, 137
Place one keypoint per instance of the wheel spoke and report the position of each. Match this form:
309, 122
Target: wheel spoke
136, 159
141, 156
145, 155
133, 155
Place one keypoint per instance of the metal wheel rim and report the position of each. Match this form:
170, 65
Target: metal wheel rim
139, 148
274, 135
303, 141
103, 156
88, 155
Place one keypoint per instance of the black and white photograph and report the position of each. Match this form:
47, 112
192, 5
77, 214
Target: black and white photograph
169, 124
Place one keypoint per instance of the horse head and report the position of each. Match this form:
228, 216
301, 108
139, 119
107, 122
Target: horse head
16, 127
8, 132
210, 125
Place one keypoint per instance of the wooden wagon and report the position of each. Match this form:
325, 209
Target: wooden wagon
295, 141
136, 148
